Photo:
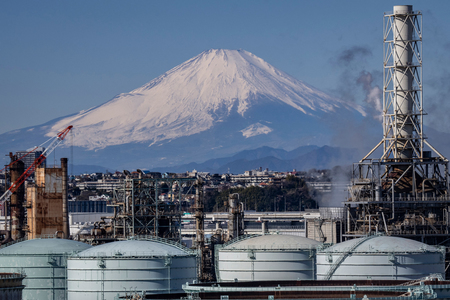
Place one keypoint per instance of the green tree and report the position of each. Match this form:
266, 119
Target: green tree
293, 195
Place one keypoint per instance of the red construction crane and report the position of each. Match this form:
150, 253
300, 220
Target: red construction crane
56, 140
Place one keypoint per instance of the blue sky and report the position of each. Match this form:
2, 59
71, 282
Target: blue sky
60, 57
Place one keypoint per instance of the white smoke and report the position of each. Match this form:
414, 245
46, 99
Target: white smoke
373, 95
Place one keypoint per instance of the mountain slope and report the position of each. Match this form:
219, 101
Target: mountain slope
301, 159
192, 98
214, 105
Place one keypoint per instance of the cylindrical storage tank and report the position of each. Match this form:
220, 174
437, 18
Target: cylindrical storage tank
44, 262
118, 268
267, 257
380, 257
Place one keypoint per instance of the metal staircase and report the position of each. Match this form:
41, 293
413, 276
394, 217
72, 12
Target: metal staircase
345, 255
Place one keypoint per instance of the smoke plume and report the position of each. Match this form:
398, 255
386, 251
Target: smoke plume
358, 85
373, 95
437, 106
349, 56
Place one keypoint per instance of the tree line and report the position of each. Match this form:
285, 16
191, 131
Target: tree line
291, 195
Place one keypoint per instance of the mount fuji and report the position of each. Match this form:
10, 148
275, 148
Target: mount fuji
215, 104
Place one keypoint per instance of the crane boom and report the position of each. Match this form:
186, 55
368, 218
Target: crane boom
37, 162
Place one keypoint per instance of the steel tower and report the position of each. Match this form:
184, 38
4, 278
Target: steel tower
139, 211
404, 192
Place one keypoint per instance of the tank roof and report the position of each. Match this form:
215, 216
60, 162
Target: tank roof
44, 246
382, 244
273, 241
134, 248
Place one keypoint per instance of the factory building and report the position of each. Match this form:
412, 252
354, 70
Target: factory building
86, 206
327, 226
29, 156
47, 212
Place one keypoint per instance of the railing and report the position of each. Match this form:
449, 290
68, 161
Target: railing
264, 247
419, 198
145, 253
239, 238
428, 289
163, 241
12, 275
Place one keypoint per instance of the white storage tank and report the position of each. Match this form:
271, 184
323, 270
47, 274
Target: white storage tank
118, 268
44, 262
380, 257
267, 257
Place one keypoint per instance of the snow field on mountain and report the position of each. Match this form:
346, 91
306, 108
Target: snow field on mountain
192, 98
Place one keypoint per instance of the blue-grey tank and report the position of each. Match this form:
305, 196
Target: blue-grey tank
43, 261
380, 257
267, 257
125, 267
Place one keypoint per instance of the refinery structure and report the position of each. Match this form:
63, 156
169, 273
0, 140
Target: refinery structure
389, 240
404, 190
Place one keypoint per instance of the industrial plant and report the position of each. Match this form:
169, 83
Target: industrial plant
154, 239
404, 190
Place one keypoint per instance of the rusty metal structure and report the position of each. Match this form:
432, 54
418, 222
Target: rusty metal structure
42, 213
404, 190
141, 210
17, 211
45, 203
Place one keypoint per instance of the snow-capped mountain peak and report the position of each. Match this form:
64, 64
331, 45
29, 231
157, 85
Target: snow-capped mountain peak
193, 97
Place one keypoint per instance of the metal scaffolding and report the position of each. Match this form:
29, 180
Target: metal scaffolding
403, 192
140, 211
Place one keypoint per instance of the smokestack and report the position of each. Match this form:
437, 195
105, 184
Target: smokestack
403, 79
66, 229
235, 216
17, 198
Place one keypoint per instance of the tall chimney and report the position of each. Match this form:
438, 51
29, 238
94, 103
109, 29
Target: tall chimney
66, 229
17, 198
403, 79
